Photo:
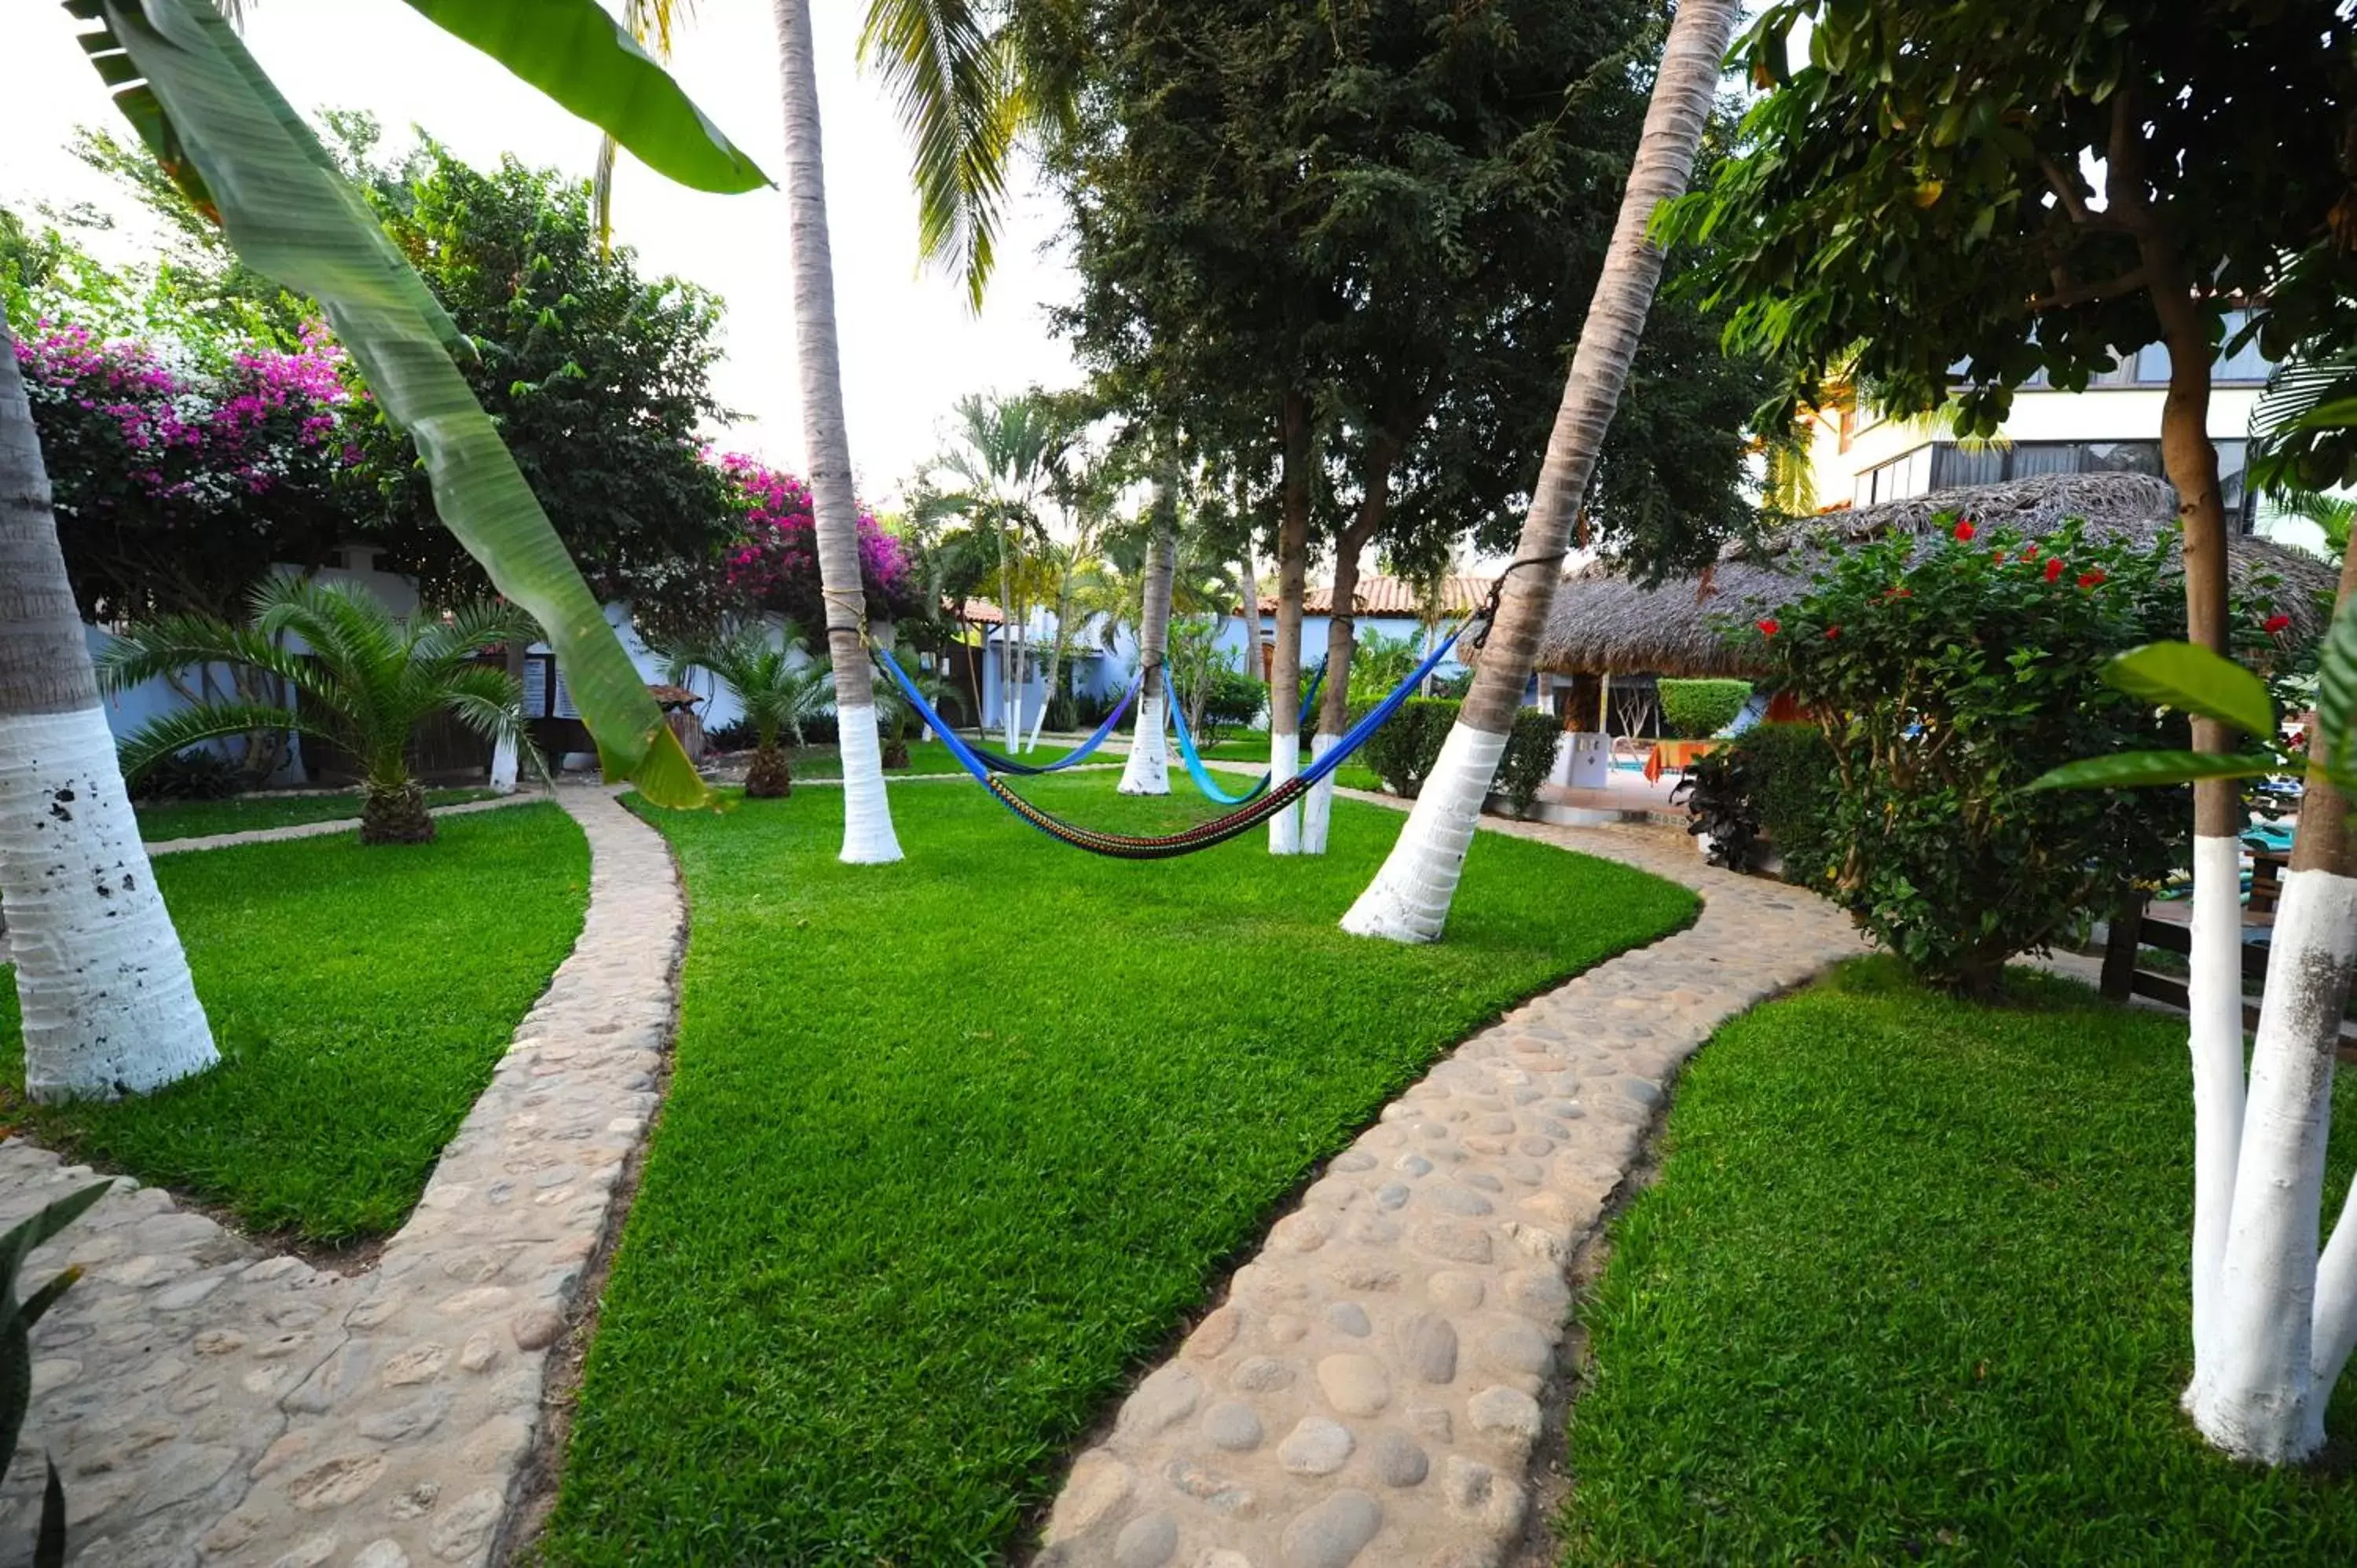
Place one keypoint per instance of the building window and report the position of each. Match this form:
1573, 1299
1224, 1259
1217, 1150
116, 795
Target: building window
1908, 474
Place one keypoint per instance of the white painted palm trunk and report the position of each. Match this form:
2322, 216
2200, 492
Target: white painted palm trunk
1147, 771
867, 835
1284, 762
2214, 995
1408, 900
1318, 810
2256, 1391
109, 1009
503, 766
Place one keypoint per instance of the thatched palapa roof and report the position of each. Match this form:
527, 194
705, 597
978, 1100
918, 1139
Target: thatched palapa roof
1603, 623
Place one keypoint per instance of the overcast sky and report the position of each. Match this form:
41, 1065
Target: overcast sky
909, 345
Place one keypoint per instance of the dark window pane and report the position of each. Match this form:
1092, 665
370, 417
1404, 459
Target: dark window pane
2246, 364
2034, 457
2120, 457
1954, 466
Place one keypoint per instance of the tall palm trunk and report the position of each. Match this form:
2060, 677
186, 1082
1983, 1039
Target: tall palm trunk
867, 836
108, 1005
1292, 581
1409, 898
1343, 637
1147, 771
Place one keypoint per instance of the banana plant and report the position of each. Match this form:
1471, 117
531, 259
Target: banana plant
223, 133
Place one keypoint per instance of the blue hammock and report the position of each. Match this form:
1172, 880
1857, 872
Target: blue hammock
1202, 835
1079, 754
1194, 760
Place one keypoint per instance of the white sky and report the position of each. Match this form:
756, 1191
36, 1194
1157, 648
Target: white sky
909, 345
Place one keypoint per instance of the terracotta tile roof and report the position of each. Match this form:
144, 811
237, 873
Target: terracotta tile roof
980, 612
1392, 596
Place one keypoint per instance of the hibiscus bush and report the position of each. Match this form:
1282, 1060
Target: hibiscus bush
1943, 681
773, 564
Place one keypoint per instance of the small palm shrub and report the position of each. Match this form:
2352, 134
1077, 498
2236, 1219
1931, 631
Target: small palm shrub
361, 680
777, 682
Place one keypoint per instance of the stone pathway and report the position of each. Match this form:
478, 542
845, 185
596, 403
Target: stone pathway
332, 826
208, 1401
1368, 1391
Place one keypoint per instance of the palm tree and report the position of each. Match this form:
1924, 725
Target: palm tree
651, 23
1409, 898
362, 681
108, 1005
2331, 513
777, 682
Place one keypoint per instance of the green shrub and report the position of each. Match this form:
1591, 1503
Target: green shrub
1403, 752
1774, 781
1234, 702
1944, 684
1697, 710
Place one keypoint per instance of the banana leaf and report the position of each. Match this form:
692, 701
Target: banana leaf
187, 84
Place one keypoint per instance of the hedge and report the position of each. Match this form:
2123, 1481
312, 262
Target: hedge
1696, 710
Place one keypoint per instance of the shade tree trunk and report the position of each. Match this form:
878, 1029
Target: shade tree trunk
108, 1006
867, 835
1343, 637
1292, 580
1146, 771
1409, 898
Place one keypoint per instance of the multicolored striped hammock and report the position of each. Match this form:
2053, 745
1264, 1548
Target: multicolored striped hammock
1202, 835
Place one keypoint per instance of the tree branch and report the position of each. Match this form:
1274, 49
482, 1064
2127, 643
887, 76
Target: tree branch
2128, 282
2066, 189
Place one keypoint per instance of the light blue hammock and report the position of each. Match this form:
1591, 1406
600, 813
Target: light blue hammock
1202, 835
1194, 758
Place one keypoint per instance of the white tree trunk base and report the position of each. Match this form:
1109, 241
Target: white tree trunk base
109, 1009
1408, 900
867, 836
504, 767
2254, 1391
2214, 991
1318, 811
1147, 769
1284, 762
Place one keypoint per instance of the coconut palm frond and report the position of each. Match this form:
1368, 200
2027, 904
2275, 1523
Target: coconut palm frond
166, 646
959, 97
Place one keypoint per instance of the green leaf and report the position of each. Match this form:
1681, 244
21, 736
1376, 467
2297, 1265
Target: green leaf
579, 55
2152, 769
2195, 681
2336, 690
293, 218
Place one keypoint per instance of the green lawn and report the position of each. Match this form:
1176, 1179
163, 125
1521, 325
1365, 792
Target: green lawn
360, 998
197, 819
924, 757
952, 1145
1911, 1288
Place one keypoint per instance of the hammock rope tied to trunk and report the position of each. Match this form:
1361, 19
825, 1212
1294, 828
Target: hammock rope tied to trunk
1202, 835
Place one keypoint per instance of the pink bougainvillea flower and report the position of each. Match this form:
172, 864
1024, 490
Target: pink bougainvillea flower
1769, 628
2275, 624
1965, 532
2054, 568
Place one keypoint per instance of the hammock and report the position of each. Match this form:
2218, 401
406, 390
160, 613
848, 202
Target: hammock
1079, 754
1194, 760
1202, 835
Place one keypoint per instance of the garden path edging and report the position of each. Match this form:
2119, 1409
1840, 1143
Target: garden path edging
1368, 1391
209, 1401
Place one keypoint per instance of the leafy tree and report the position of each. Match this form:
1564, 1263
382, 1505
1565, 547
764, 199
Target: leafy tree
1944, 200
363, 683
597, 378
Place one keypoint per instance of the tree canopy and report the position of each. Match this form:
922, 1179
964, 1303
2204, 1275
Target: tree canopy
597, 379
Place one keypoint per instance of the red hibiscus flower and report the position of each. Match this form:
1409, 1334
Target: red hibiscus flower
1832, 632
1768, 628
1965, 532
2091, 579
2054, 567
2029, 553
2275, 624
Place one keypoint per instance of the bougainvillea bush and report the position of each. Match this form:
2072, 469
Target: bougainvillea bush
185, 466
773, 564
1944, 681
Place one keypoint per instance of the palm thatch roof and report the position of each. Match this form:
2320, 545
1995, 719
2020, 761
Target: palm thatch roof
1605, 624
